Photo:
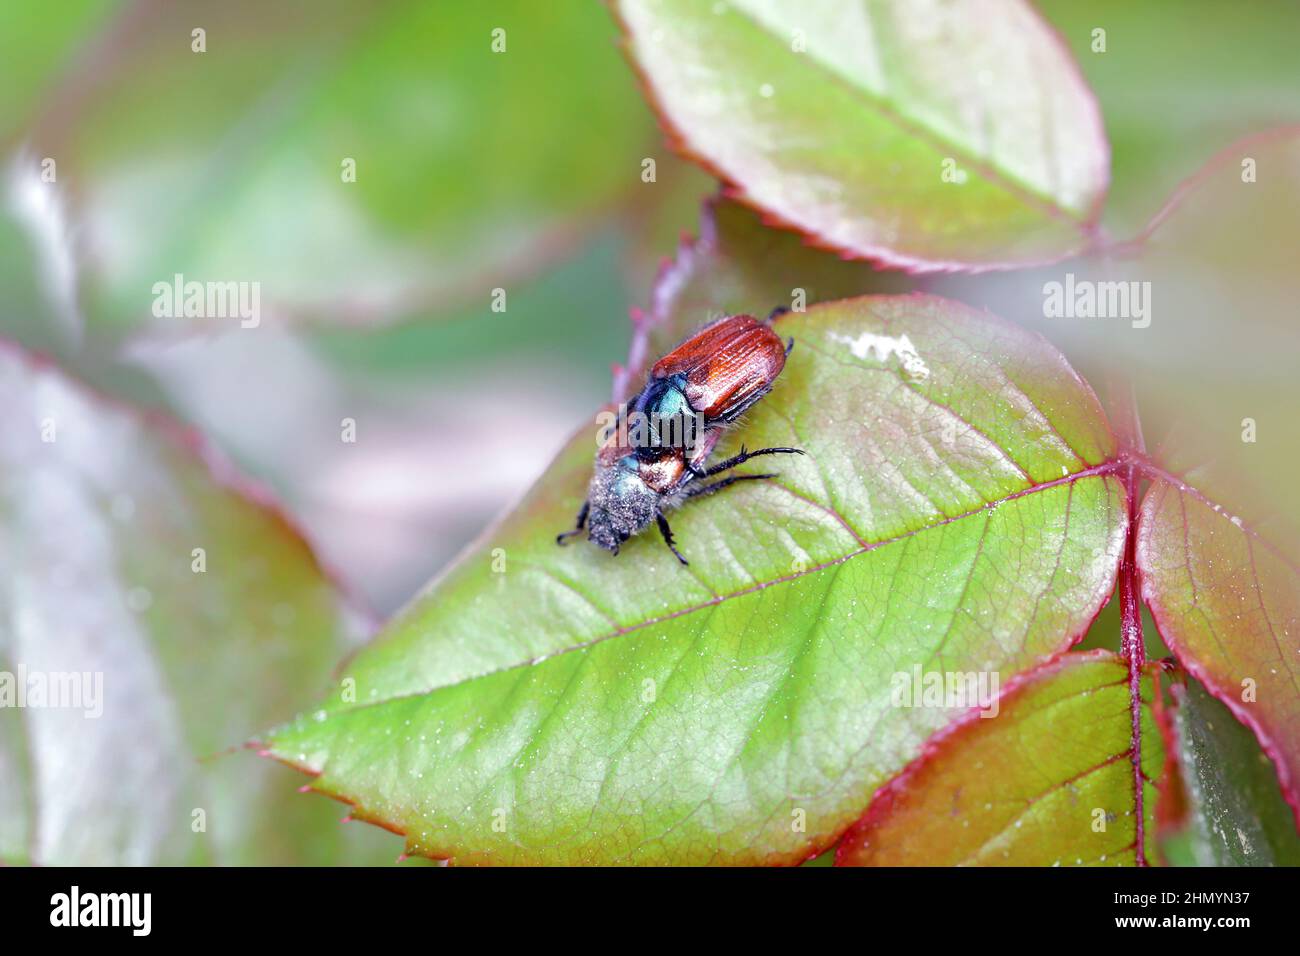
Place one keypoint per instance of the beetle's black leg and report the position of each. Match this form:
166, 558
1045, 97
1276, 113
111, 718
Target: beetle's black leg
667, 532
582, 521
779, 310
744, 456
789, 345
719, 485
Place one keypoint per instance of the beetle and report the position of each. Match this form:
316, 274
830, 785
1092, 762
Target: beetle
631, 487
715, 375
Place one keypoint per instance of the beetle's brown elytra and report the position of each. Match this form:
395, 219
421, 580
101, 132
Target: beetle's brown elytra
711, 378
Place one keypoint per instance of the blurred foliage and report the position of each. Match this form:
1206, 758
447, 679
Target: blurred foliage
34, 47
474, 164
1179, 79
573, 316
1238, 816
129, 554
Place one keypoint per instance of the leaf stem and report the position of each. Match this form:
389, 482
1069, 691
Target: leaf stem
1133, 649
1132, 645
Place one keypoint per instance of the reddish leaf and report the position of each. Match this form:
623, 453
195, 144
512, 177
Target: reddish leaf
1046, 781
1217, 541
1227, 602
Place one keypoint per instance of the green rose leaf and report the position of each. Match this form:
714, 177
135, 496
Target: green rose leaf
178, 615
926, 136
1020, 785
956, 511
